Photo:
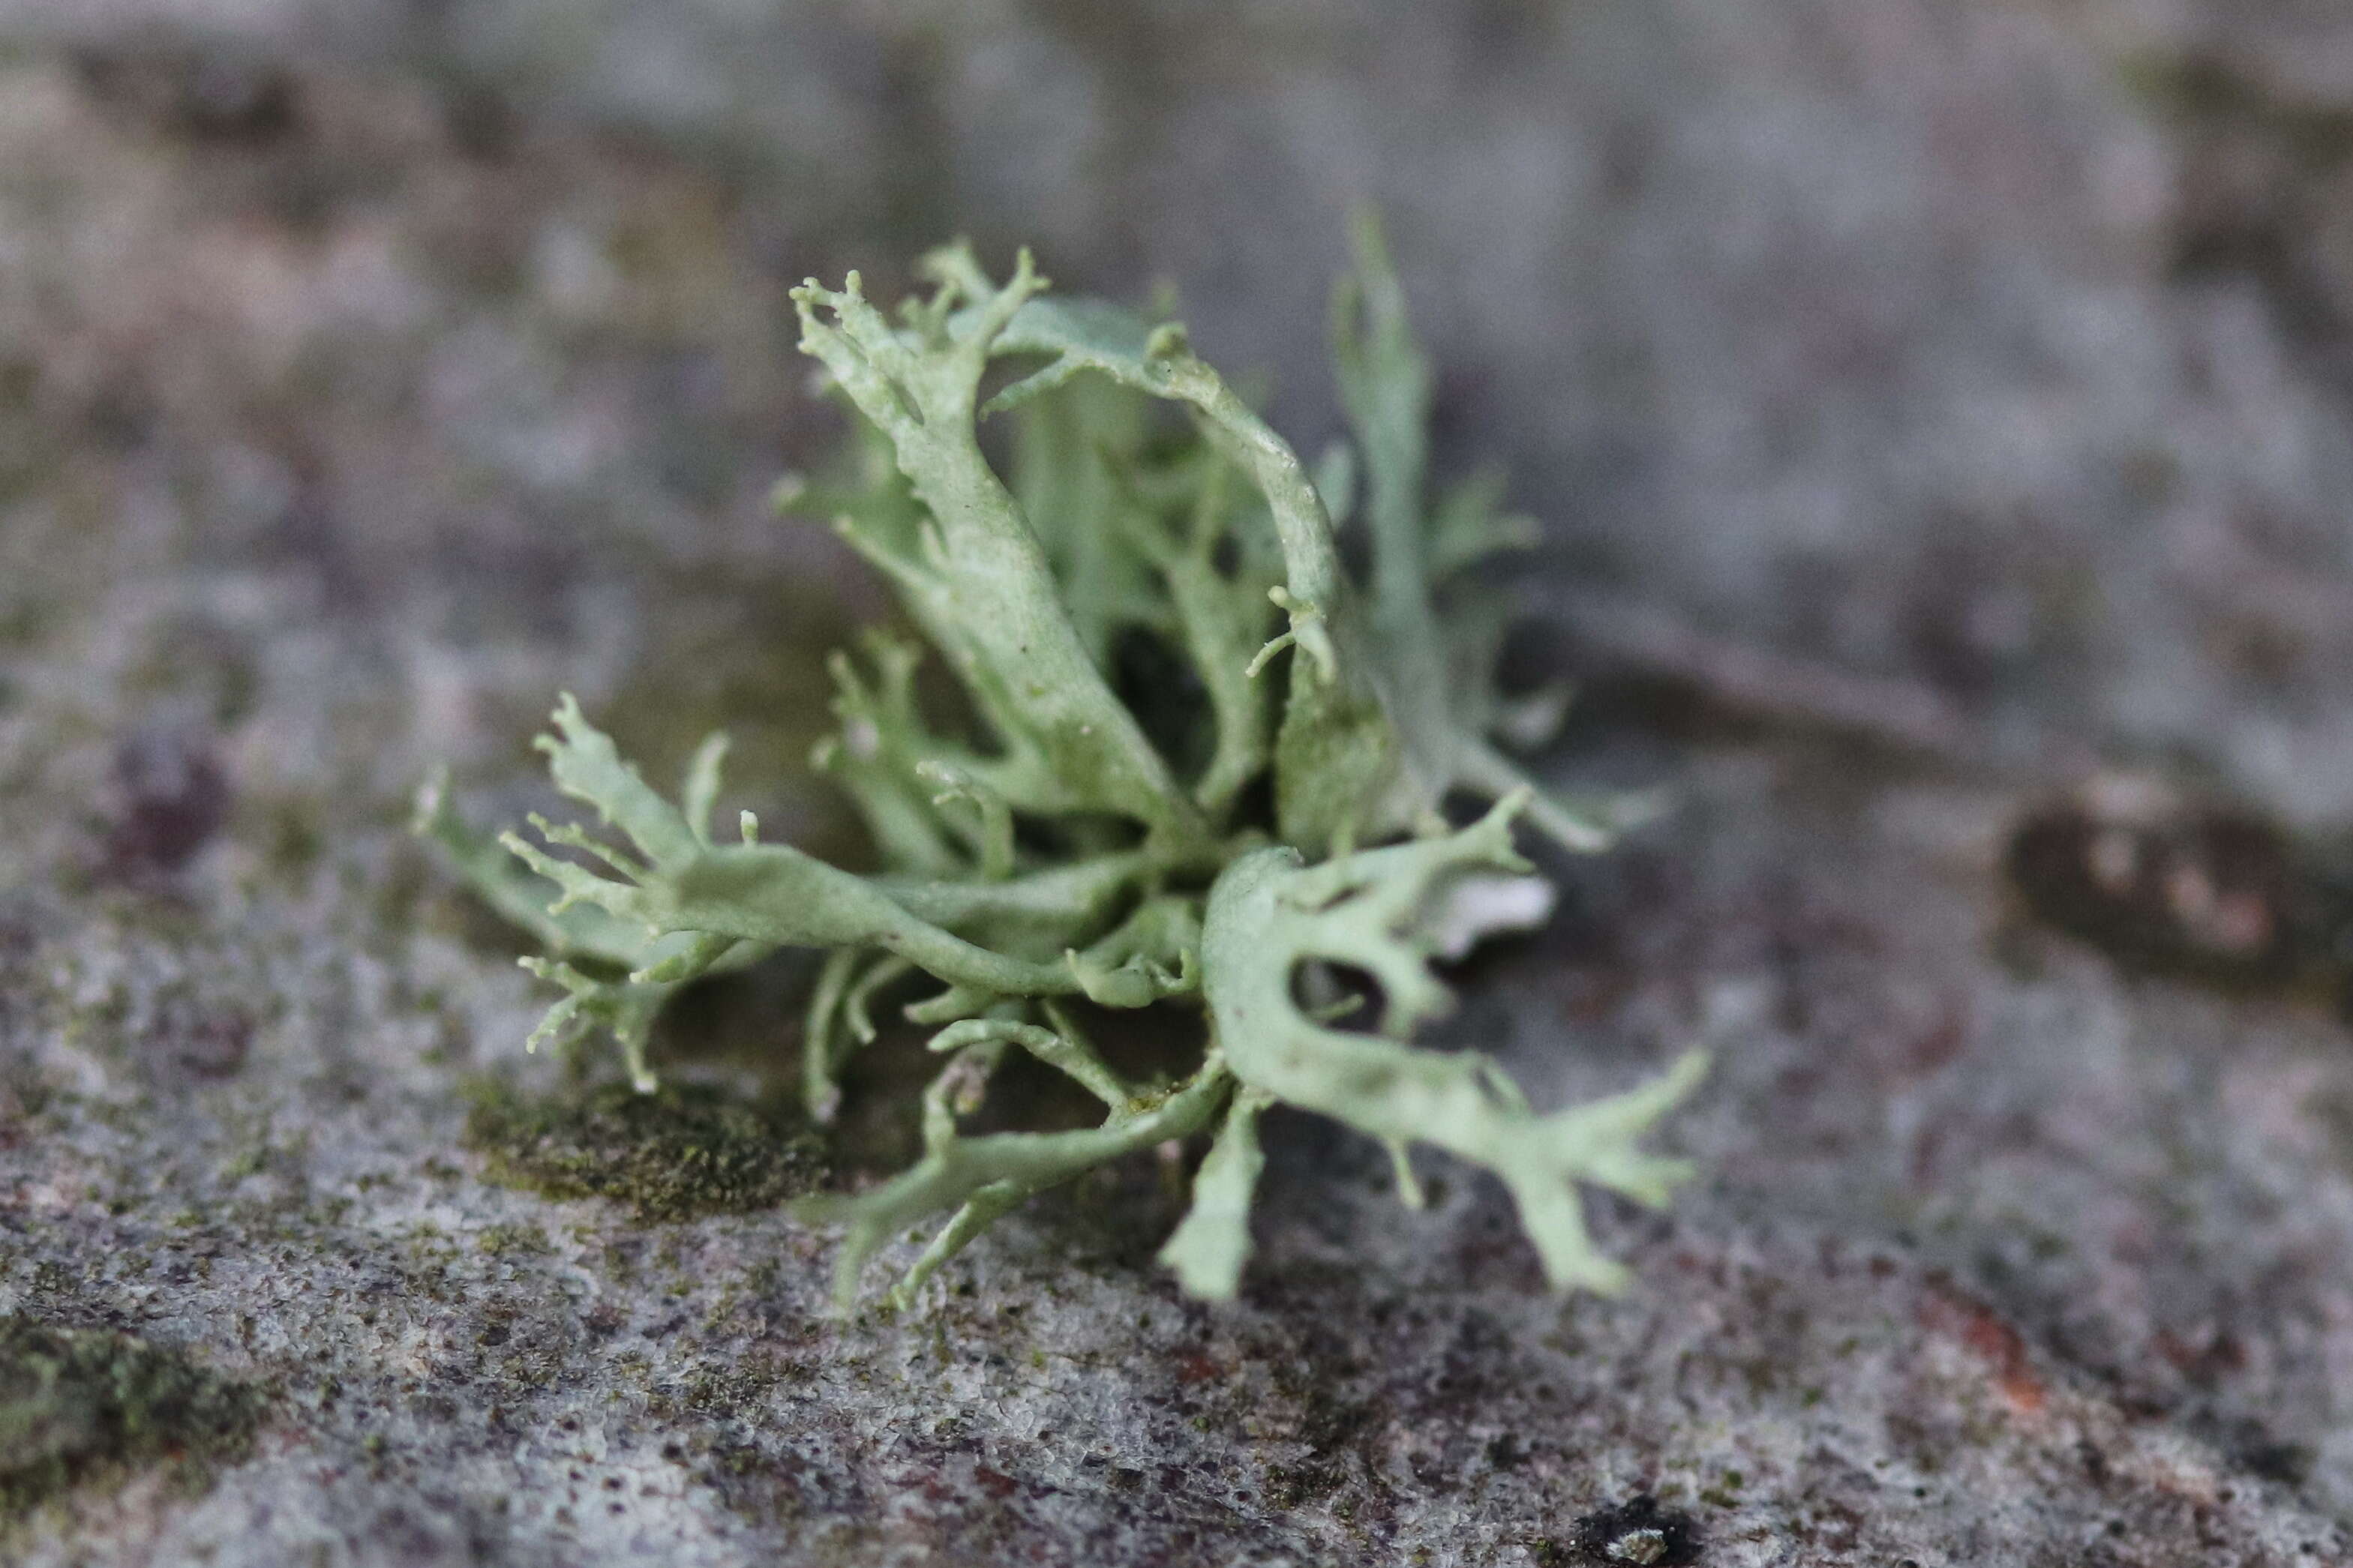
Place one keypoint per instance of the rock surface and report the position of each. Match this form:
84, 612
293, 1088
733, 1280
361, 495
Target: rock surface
370, 372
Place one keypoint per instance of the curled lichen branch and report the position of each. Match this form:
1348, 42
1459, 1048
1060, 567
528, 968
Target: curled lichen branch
1270, 913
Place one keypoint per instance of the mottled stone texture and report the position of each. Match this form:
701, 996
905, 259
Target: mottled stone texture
370, 372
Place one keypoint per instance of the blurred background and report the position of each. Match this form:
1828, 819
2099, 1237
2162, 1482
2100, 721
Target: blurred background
1925, 402
2001, 350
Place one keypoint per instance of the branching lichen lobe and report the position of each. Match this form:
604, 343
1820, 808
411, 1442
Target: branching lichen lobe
1065, 845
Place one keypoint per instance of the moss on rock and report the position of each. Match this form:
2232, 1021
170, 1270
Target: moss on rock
88, 1405
681, 1152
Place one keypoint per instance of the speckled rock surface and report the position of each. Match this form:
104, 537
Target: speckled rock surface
373, 374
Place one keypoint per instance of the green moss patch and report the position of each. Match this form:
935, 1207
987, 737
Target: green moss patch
88, 1405
678, 1153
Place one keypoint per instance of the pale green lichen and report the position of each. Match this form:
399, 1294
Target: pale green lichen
1086, 837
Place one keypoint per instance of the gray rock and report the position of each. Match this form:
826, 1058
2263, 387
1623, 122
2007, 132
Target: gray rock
372, 373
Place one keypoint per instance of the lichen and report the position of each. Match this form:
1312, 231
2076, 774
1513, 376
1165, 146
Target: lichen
83, 1405
1202, 767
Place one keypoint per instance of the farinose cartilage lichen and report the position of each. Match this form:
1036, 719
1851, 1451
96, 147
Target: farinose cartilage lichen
1081, 841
